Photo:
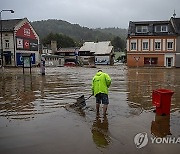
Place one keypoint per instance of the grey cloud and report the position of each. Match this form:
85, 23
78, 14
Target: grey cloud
92, 13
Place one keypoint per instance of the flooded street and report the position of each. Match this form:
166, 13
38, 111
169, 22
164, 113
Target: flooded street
35, 117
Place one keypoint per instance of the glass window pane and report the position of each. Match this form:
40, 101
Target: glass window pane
133, 46
170, 45
144, 29
138, 29
164, 28
145, 45
157, 45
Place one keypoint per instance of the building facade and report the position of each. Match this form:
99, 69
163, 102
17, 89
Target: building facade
69, 54
176, 25
152, 43
103, 52
19, 38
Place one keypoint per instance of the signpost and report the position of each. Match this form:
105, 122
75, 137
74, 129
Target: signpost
26, 61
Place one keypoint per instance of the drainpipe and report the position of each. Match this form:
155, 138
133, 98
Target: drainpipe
14, 49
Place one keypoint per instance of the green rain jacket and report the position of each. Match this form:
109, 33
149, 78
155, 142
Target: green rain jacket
100, 83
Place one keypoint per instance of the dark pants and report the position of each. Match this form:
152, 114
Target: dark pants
102, 98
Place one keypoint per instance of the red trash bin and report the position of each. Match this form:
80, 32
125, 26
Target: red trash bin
161, 98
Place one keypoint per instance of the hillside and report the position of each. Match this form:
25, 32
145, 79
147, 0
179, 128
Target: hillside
75, 31
115, 31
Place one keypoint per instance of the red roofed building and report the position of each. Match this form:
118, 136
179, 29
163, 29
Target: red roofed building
19, 37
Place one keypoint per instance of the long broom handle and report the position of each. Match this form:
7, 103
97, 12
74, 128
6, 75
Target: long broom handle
89, 97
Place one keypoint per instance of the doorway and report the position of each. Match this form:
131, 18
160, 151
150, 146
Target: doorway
169, 61
7, 57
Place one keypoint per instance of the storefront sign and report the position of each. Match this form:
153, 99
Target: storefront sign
19, 58
27, 44
26, 38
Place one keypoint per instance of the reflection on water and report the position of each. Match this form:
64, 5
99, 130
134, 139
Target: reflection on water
17, 96
141, 85
100, 132
160, 127
40, 103
26, 96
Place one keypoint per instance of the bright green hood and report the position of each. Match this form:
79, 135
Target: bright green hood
99, 73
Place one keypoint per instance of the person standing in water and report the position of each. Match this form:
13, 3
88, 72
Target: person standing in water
100, 84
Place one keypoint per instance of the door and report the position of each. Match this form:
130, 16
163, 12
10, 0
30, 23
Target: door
169, 62
7, 57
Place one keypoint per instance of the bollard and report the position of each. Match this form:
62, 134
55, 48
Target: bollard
160, 127
42, 66
161, 98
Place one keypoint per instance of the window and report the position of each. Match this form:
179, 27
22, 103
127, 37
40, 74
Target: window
164, 28
161, 28
133, 46
141, 29
7, 44
157, 45
150, 61
170, 45
145, 45
158, 29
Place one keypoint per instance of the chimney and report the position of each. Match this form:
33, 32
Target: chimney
53, 46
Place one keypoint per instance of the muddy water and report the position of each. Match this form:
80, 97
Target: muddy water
34, 117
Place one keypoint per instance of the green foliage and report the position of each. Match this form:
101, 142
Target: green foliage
63, 31
75, 31
63, 41
115, 31
118, 43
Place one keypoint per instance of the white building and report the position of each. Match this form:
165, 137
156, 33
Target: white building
102, 51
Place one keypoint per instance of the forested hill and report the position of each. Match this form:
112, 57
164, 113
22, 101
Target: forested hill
115, 31
75, 31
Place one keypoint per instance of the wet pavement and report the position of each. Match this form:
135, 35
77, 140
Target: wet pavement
35, 117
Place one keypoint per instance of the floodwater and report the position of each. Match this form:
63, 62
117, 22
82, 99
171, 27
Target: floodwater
35, 117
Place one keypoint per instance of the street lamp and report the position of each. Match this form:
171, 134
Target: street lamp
12, 11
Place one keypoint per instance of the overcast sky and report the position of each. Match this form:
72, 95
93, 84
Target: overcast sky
92, 13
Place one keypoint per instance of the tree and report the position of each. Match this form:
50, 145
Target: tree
118, 43
63, 41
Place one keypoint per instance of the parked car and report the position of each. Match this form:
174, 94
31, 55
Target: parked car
71, 64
